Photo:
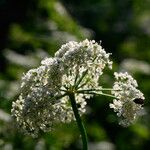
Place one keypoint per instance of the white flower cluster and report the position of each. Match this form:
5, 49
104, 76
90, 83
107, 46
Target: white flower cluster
84, 60
43, 100
81, 57
34, 110
126, 92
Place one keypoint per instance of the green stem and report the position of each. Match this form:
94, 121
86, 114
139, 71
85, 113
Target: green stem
79, 81
106, 95
91, 92
79, 121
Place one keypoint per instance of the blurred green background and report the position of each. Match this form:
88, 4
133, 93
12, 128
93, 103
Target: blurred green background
31, 30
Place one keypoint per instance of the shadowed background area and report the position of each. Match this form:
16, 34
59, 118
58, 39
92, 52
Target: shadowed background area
31, 30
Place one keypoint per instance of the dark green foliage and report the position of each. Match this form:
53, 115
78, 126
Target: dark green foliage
33, 29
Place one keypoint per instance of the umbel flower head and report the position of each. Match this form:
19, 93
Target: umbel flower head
75, 68
126, 92
43, 100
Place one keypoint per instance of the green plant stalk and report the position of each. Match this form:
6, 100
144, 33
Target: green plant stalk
95, 93
79, 81
79, 121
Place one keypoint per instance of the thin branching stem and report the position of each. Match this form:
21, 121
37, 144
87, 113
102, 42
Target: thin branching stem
95, 93
103, 89
79, 81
